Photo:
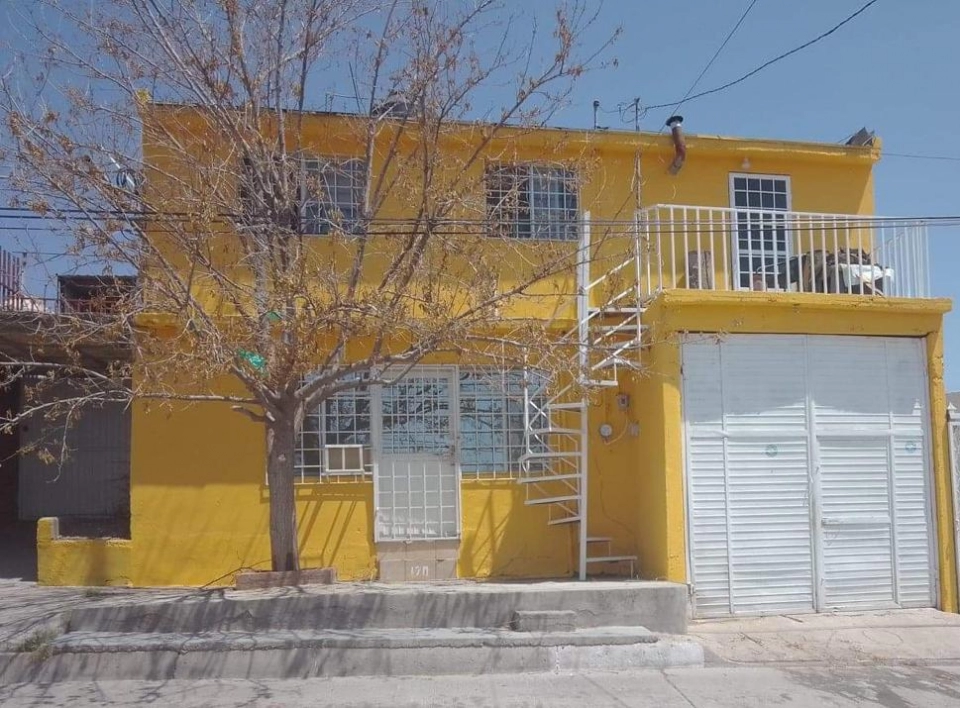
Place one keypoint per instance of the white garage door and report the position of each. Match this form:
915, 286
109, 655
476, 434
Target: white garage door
807, 473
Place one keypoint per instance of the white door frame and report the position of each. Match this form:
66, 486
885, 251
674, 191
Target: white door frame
450, 460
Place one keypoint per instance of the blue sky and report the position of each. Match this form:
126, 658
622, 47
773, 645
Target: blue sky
892, 70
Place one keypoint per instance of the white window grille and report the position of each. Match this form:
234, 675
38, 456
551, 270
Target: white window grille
492, 421
761, 243
333, 195
533, 202
416, 415
335, 441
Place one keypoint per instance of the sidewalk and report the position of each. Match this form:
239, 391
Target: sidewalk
864, 638
711, 687
28, 610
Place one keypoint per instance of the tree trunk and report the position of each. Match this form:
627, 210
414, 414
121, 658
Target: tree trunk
284, 552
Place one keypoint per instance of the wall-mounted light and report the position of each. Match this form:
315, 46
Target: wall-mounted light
746, 164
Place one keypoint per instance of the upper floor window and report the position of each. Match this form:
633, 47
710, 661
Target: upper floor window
533, 202
761, 242
333, 195
330, 193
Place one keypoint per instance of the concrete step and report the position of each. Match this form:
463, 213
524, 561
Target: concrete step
86, 656
656, 605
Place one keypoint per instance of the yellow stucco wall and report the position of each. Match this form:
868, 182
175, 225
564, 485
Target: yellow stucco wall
662, 495
81, 561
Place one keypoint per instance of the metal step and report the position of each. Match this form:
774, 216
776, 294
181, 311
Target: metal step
564, 520
600, 382
572, 406
617, 310
622, 327
546, 455
547, 478
599, 539
552, 500
612, 361
553, 431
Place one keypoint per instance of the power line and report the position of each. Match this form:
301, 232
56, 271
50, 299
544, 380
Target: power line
713, 58
769, 63
916, 156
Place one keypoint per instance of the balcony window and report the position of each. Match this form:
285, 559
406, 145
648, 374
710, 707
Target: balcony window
533, 202
761, 243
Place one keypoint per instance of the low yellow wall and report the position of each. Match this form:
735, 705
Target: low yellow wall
80, 561
661, 500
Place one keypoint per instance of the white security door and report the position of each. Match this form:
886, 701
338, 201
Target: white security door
807, 473
416, 484
856, 526
869, 404
748, 476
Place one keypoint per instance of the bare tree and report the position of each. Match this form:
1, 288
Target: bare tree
203, 108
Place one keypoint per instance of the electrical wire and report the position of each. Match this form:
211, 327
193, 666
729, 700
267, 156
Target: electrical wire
716, 54
915, 156
769, 63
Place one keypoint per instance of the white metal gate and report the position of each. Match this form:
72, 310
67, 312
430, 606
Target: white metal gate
416, 483
807, 473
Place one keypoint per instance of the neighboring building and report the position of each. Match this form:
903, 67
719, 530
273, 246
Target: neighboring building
954, 399
784, 450
83, 479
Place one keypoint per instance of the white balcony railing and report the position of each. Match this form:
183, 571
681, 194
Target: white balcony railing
709, 248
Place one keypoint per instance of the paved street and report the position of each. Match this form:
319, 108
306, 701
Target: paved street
745, 687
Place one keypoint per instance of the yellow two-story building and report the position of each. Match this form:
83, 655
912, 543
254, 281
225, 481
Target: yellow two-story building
765, 419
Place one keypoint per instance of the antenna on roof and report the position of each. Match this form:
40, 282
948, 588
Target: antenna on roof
596, 111
356, 89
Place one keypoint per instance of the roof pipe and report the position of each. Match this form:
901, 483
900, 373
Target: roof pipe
679, 145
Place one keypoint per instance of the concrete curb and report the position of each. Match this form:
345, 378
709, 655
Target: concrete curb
107, 642
658, 606
89, 656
